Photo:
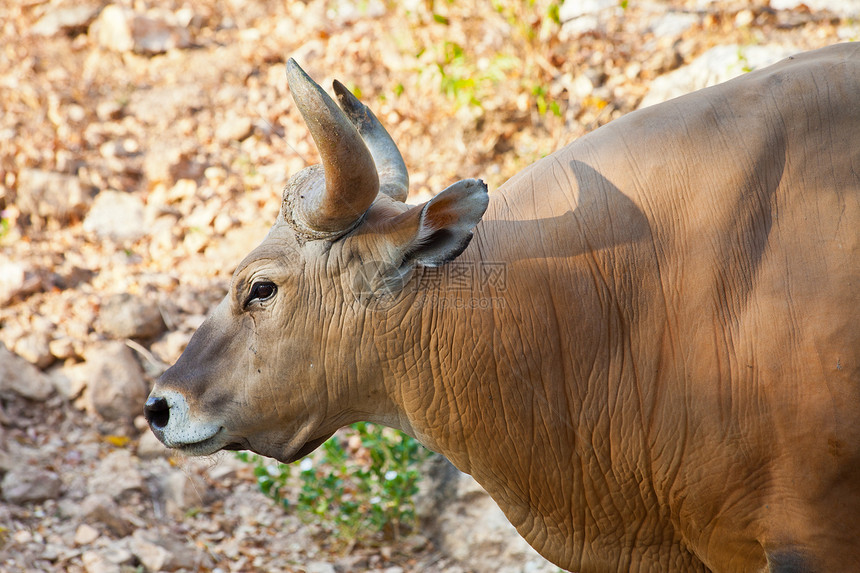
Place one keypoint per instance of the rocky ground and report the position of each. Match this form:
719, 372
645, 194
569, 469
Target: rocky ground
143, 147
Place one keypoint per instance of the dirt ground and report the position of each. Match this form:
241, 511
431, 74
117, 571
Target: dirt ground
143, 149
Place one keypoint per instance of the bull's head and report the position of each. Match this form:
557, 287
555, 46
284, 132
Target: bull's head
289, 355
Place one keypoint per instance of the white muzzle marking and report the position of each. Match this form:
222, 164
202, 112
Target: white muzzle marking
182, 429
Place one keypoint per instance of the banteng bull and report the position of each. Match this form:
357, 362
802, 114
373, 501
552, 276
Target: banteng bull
646, 346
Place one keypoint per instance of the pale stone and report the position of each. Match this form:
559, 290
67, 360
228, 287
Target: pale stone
126, 315
171, 345
116, 475
116, 215
116, 389
101, 508
845, 8
34, 349
12, 279
28, 484
86, 534
67, 20
149, 447
234, 128
182, 491
163, 555
49, 195
95, 562
62, 348
19, 376
715, 66
122, 29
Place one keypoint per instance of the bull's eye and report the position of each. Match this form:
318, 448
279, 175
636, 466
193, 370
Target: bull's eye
261, 291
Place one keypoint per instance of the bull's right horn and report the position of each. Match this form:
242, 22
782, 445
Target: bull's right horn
351, 180
393, 177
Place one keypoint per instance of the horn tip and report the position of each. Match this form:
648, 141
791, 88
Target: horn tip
295, 71
348, 102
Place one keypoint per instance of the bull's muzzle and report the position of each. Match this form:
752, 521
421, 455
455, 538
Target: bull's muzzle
172, 422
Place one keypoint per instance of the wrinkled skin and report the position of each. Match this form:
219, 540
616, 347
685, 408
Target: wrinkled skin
667, 373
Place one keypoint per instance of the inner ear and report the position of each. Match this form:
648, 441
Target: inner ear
437, 248
444, 224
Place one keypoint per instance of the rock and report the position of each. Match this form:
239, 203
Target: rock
672, 24
162, 554
319, 567
109, 110
70, 380
126, 315
182, 491
48, 195
19, 376
116, 215
582, 16
163, 105
113, 29
169, 347
571, 9
171, 164
122, 29
229, 251
156, 36
717, 65
35, 349
844, 8
22, 280
234, 128
581, 87
100, 508
116, 475
468, 525
11, 280
28, 484
62, 348
149, 447
86, 534
118, 553
116, 389
71, 20
95, 562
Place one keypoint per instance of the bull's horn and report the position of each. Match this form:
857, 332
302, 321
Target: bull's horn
393, 177
351, 181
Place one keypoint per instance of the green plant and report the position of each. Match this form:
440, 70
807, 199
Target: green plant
544, 103
361, 482
466, 81
271, 476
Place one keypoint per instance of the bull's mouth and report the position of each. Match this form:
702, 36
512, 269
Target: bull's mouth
205, 447
216, 443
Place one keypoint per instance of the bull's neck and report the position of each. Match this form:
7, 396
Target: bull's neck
459, 346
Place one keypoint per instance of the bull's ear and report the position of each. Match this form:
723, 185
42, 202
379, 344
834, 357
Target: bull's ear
438, 231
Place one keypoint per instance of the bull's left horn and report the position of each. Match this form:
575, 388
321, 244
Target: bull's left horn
351, 180
393, 177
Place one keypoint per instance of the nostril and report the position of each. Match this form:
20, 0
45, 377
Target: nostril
157, 412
